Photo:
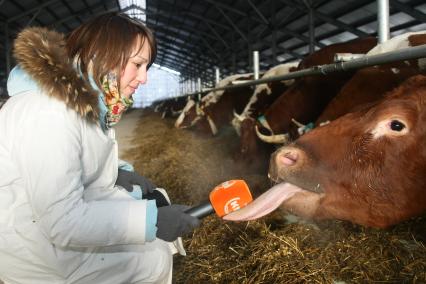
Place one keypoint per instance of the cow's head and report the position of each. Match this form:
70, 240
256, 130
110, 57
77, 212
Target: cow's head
265, 94
367, 167
253, 154
236, 122
248, 141
189, 115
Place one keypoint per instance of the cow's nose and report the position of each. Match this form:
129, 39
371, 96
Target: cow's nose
288, 157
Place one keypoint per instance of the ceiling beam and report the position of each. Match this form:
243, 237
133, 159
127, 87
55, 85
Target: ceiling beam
185, 52
183, 55
218, 36
189, 30
415, 13
243, 36
82, 13
31, 11
328, 19
233, 10
261, 16
199, 17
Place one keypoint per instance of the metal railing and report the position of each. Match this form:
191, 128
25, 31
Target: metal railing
366, 61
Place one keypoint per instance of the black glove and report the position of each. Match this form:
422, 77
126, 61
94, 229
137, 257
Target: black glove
127, 179
173, 222
159, 198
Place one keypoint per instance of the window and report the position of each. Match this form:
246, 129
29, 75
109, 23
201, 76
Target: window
162, 83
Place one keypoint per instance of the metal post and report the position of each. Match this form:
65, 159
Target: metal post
250, 56
383, 20
217, 71
199, 88
256, 64
193, 86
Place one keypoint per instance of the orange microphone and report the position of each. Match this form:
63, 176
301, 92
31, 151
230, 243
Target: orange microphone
225, 198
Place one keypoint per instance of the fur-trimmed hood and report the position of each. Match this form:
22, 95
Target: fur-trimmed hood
41, 54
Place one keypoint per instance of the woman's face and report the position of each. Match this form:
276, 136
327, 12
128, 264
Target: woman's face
134, 72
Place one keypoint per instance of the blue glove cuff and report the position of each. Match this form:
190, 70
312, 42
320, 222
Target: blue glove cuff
137, 192
151, 221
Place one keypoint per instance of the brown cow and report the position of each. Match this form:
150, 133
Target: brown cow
264, 95
171, 107
367, 167
308, 96
370, 84
216, 108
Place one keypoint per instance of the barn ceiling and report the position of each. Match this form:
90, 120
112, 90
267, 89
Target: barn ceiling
195, 36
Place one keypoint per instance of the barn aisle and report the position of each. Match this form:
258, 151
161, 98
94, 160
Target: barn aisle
125, 129
187, 165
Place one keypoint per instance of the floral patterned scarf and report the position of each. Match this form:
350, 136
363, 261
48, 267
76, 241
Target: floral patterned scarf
115, 103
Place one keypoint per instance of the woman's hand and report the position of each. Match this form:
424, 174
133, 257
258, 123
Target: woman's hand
127, 179
173, 222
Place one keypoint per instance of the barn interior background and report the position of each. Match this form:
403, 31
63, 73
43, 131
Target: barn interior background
199, 41
196, 37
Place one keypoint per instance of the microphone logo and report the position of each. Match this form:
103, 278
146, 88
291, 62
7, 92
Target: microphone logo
232, 205
228, 183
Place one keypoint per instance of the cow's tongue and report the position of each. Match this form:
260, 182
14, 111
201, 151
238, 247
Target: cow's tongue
265, 203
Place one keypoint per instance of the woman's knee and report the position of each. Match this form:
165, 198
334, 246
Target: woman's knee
162, 260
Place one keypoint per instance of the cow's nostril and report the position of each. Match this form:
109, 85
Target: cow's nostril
288, 158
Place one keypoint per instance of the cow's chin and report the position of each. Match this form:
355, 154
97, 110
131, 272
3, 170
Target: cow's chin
299, 201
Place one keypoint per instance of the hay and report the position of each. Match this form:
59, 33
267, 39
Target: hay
270, 250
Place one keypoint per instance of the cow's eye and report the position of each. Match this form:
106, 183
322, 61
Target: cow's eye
397, 125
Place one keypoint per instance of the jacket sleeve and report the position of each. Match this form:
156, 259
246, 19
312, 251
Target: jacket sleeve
48, 153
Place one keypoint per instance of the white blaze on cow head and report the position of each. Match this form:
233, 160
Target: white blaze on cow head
236, 122
263, 90
390, 126
214, 97
212, 125
187, 115
366, 167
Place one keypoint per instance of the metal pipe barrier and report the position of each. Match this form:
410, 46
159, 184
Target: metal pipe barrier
366, 61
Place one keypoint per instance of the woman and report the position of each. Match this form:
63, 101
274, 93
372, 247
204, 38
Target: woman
62, 217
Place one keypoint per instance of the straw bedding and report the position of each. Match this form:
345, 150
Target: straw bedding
275, 249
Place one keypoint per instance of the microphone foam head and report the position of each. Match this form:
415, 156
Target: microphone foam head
230, 196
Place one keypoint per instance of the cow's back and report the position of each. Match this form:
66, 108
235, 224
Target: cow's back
308, 96
370, 84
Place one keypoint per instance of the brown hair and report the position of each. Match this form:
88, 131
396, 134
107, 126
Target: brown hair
107, 41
